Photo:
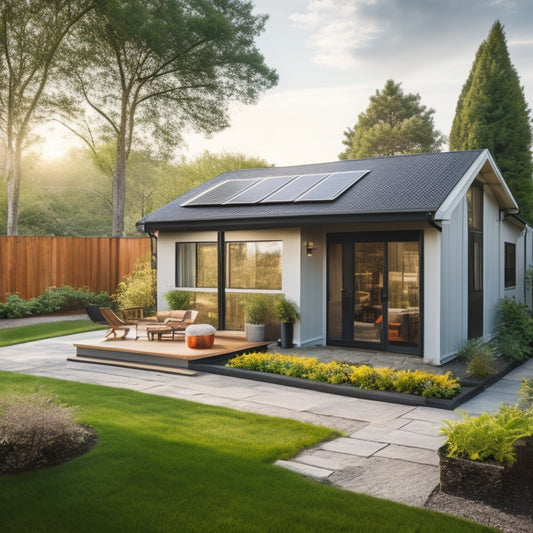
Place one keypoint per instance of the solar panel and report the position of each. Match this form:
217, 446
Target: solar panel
331, 187
262, 189
278, 189
295, 188
222, 192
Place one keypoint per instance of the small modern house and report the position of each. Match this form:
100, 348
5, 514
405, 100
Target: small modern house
405, 254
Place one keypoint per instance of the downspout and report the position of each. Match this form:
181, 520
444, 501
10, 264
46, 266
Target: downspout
153, 261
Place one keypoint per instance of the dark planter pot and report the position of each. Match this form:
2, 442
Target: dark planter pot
471, 479
523, 468
287, 329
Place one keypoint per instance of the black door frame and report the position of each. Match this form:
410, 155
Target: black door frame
348, 241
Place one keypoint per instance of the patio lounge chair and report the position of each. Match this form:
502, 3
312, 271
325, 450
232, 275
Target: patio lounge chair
180, 324
115, 323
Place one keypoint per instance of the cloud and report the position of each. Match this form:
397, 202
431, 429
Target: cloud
334, 31
344, 34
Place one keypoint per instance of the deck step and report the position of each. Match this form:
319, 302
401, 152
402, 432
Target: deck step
128, 364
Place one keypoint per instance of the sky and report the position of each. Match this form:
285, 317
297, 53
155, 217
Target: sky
332, 55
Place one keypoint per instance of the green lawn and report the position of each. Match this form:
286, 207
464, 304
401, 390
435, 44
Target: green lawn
46, 330
163, 464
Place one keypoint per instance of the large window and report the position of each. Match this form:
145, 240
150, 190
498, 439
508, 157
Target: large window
196, 264
510, 264
253, 265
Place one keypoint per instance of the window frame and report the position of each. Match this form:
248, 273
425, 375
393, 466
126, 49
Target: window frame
509, 261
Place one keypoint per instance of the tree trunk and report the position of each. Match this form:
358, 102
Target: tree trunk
119, 190
13, 171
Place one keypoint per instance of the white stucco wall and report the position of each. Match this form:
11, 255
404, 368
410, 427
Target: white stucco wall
432, 295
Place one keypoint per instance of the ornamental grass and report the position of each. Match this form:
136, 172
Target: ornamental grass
416, 382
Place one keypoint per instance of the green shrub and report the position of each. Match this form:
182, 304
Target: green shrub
258, 308
526, 394
480, 358
178, 300
138, 289
364, 377
286, 310
515, 331
488, 437
37, 431
52, 300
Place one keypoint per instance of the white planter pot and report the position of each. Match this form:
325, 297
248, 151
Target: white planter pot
255, 332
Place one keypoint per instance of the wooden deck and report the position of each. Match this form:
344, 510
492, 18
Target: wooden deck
166, 355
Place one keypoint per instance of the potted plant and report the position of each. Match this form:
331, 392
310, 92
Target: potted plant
256, 310
178, 300
287, 312
479, 456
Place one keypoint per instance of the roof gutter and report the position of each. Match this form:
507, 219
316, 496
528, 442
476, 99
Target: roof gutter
222, 224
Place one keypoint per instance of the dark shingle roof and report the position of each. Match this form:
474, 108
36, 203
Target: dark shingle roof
405, 184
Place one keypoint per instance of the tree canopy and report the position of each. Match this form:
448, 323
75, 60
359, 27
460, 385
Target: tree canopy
146, 70
492, 113
394, 123
72, 195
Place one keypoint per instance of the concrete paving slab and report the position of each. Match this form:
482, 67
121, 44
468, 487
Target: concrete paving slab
373, 433
289, 398
423, 427
406, 453
314, 472
329, 460
365, 410
489, 402
415, 440
431, 414
400, 481
363, 448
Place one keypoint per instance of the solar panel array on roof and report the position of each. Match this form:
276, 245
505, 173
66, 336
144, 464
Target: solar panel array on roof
278, 189
221, 192
263, 188
295, 188
331, 187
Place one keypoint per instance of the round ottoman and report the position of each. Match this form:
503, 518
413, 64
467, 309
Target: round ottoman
200, 336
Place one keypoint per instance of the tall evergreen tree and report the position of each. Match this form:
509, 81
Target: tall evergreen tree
394, 123
492, 113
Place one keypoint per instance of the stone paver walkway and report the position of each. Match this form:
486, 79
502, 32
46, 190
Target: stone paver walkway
389, 450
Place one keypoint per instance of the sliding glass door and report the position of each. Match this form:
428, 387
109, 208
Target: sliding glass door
374, 290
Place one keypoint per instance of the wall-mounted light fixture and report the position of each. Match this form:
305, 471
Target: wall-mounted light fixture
310, 248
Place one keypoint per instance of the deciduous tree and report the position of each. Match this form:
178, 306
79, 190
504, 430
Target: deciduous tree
492, 113
148, 69
31, 32
394, 123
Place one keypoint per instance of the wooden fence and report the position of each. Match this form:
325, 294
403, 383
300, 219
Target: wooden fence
29, 265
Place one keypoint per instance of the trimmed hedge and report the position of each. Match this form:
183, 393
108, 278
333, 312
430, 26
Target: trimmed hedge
416, 382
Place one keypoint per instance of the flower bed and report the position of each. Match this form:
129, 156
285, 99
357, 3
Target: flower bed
415, 382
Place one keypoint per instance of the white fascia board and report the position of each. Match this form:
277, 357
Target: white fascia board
444, 212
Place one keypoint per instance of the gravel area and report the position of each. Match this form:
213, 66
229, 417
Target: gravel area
512, 515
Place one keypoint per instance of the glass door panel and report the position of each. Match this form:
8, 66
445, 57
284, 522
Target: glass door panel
403, 292
368, 291
335, 292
